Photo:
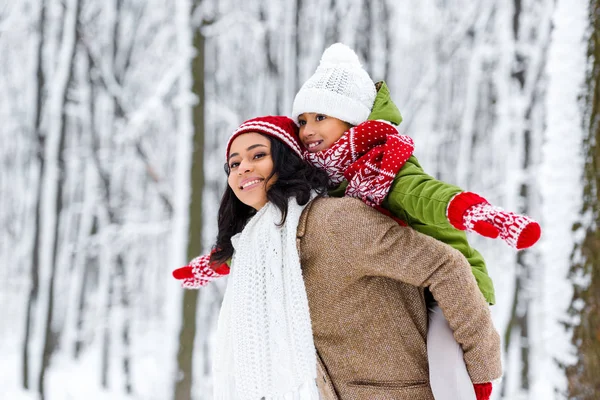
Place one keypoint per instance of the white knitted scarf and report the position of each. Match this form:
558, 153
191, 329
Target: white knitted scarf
265, 347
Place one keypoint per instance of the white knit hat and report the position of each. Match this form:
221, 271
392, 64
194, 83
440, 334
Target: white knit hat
340, 88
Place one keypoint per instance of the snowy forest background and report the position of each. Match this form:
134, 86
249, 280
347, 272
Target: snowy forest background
114, 116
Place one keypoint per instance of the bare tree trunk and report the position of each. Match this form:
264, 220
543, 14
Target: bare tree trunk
364, 42
518, 323
88, 262
35, 263
79, 342
120, 269
296, 44
519, 320
70, 40
332, 33
187, 334
529, 79
126, 328
583, 382
106, 337
387, 36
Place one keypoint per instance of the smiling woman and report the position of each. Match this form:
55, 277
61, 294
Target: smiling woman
265, 344
325, 297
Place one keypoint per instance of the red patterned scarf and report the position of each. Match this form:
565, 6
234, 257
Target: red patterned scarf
369, 157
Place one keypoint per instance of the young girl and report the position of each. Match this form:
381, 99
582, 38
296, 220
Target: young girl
360, 273
369, 160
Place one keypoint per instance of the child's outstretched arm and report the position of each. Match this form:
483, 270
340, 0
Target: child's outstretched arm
471, 212
436, 203
199, 272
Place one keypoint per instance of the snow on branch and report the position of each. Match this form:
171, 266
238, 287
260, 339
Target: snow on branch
134, 119
4, 12
107, 78
232, 20
160, 183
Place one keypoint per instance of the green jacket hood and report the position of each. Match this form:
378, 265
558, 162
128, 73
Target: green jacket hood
383, 107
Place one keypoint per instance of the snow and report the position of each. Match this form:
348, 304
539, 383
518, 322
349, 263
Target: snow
561, 174
450, 68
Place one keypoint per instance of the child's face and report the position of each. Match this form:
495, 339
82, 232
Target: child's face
319, 132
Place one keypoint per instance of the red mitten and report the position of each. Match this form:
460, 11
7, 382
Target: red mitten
199, 273
471, 212
483, 391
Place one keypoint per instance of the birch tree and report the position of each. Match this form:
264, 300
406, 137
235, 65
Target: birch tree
54, 176
32, 299
187, 334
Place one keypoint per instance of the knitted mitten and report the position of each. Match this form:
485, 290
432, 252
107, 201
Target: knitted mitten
199, 273
483, 391
471, 212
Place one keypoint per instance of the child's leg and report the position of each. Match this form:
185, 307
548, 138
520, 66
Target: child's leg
447, 370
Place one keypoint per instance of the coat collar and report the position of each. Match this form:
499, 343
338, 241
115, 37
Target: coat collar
303, 219
383, 107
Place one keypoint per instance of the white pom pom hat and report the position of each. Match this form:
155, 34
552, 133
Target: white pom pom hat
340, 88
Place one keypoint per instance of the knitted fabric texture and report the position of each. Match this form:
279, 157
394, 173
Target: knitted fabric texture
279, 127
483, 391
368, 156
199, 272
471, 212
340, 88
265, 346
369, 318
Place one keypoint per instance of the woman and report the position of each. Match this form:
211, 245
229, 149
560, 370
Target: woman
362, 275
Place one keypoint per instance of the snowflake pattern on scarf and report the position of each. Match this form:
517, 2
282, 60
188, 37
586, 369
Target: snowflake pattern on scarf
368, 156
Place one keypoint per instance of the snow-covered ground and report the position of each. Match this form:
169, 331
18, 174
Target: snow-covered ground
451, 70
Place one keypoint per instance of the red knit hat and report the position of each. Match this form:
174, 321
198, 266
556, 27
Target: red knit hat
279, 127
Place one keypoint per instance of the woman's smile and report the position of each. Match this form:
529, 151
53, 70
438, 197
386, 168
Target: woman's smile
250, 183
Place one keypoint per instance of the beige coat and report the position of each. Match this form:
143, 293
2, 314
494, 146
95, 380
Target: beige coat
364, 277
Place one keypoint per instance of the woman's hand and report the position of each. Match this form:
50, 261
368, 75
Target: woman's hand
199, 272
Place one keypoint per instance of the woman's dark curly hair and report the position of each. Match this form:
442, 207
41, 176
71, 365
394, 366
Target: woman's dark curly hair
295, 178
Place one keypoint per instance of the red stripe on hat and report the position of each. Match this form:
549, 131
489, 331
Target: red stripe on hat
268, 128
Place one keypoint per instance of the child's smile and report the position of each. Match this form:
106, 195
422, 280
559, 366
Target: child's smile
313, 146
319, 132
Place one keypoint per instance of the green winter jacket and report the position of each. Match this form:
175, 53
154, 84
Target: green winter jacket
421, 200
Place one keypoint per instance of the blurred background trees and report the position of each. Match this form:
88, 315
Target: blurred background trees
114, 120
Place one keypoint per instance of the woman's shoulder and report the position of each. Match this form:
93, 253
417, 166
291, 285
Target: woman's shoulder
334, 206
336, 212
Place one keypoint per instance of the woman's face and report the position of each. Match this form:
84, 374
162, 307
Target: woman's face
250, 164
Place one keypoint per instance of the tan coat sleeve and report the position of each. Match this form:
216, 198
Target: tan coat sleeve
375, 245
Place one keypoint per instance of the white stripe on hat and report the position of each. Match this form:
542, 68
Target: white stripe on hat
266, 127
269, 124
